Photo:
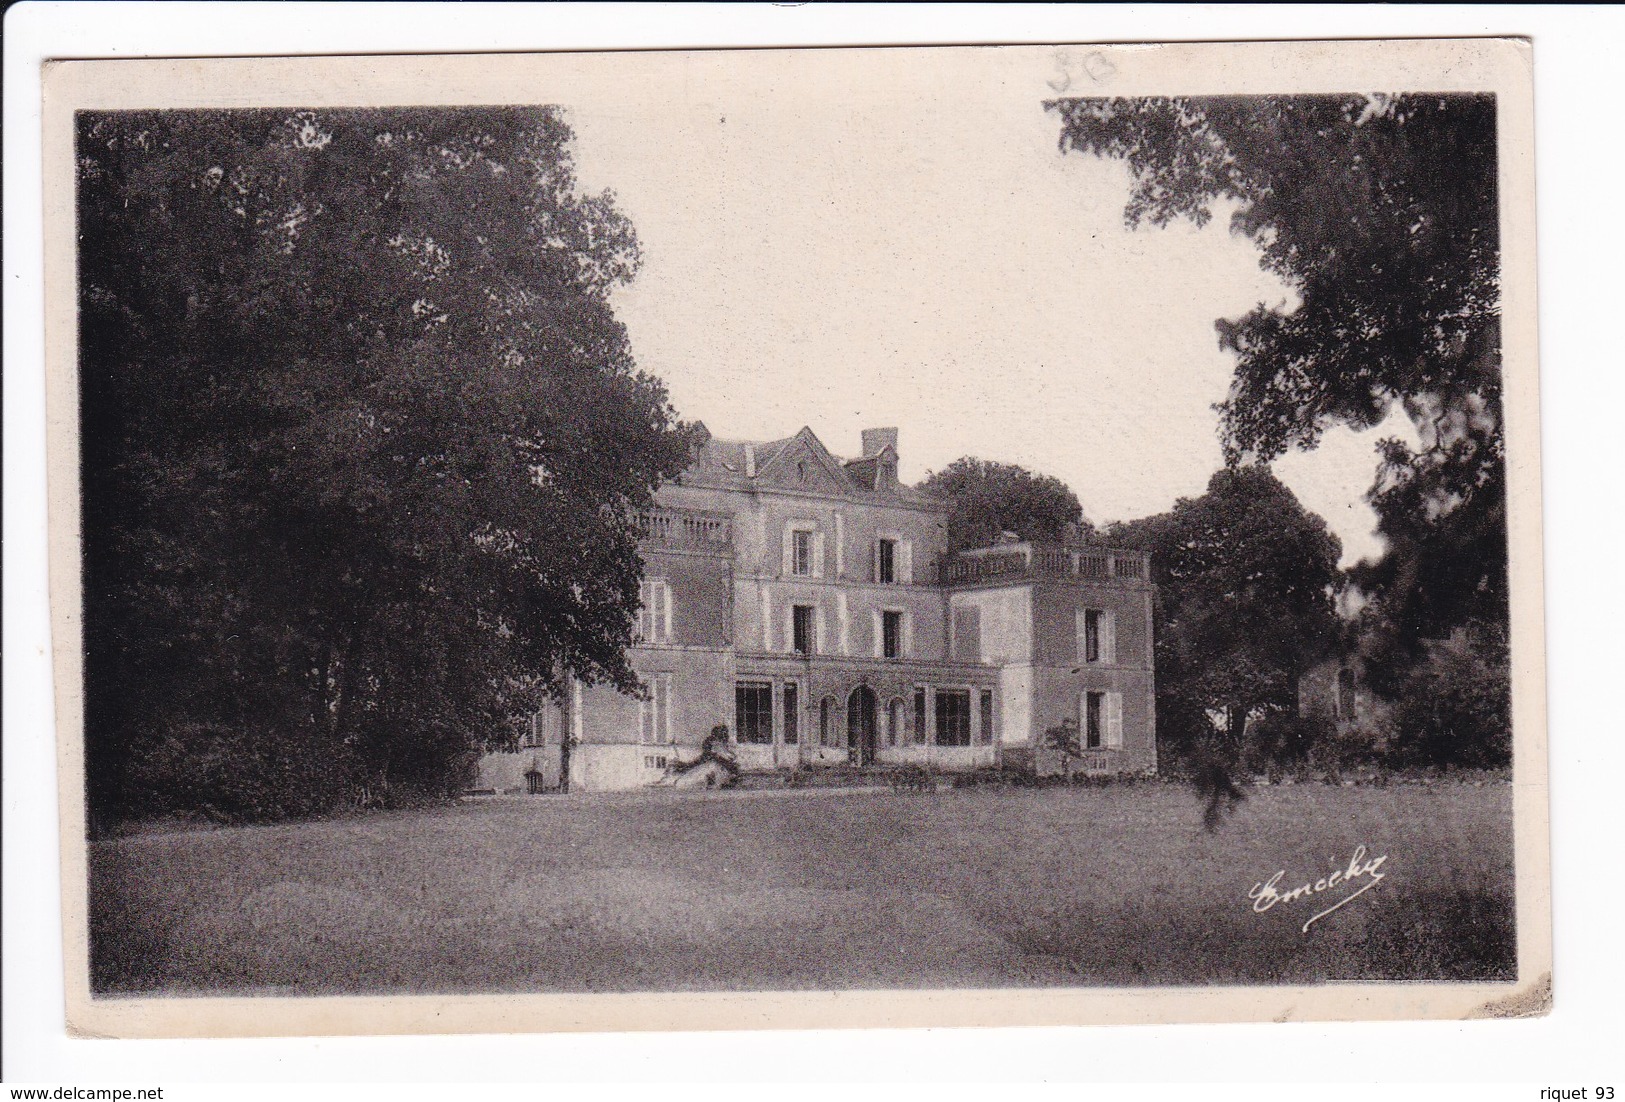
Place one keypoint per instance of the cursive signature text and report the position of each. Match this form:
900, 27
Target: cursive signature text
1268, 893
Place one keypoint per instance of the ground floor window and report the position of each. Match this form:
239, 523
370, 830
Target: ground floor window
953, 717
895, 732
921, 731
985, 732
753, 711
792, 728
1093, 708
654, 714
826, 722
1345, 694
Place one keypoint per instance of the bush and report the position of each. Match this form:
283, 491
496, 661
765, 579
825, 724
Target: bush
236, 775
1455, 705
252, 774
1283, 740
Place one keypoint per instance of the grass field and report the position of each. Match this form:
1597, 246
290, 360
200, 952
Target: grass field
811, 890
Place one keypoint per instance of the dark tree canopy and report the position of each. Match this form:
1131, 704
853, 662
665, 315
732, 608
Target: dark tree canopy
986, 499
361, 437
1246, 602
1381, 215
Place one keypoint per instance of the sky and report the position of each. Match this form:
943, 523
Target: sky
933, 262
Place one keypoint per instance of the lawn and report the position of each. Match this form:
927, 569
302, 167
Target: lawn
812, 890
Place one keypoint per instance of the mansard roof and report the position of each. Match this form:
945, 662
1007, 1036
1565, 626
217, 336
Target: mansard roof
797, 463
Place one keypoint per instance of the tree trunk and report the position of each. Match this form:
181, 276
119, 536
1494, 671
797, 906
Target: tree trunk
1235, 724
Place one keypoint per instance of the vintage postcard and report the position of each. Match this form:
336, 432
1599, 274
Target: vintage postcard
797, 538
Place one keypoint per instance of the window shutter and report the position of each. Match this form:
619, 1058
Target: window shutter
968, 634
1108, 638
789, 629
643, 611
1081, 642
665, 612
767, 621
789, 549
818, 555
1114, 721
874, 561
646, 719
818, 630
663, 708
878, 620
905, 562
908, 635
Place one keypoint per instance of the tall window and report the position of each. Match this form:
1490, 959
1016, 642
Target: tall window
920, 730
891, 633
792, 727
1093, 707
654, 714
753, 711
654, 611
886, 562
801, 552
826, 731
1345, 693
986, 731
953, 717
1097, 636
802, 631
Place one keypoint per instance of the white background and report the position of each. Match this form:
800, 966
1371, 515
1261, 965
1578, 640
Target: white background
1580, 173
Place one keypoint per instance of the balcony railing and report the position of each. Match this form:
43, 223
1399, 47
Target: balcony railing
1028, 561
685, 528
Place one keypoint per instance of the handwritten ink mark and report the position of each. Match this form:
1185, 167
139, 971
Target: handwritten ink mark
1266, 894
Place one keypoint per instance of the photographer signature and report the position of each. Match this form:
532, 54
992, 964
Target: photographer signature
1268, 893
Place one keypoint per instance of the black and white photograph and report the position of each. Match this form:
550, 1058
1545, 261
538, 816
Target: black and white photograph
858, 527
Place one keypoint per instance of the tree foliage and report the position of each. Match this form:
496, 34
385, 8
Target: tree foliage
1246, 602
1455, 705
361, 437
986, 499
1381, 215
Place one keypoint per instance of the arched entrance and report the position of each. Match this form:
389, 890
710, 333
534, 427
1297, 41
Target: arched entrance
861, 726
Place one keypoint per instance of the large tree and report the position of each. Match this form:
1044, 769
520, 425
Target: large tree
1381, 215
986, 499
1246, 603
361, 440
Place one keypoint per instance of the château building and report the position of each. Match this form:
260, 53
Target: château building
808, 603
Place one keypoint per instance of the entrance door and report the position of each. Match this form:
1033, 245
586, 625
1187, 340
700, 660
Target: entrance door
861, 725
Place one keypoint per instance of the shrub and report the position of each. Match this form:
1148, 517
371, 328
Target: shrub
1284, 739
1455, 705
235, 775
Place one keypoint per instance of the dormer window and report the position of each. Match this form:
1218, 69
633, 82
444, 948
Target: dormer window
801, 471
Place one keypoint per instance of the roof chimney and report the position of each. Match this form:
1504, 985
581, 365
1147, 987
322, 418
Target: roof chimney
876, 439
